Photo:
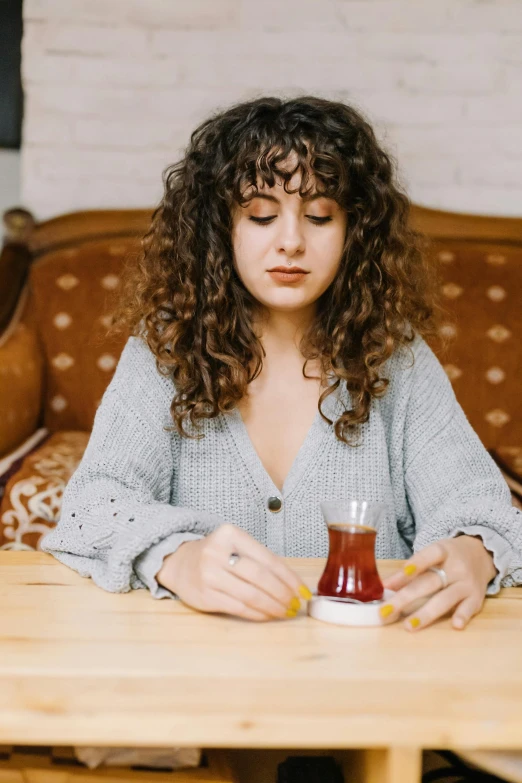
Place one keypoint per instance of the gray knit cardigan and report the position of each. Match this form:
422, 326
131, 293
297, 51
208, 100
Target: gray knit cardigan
140, 490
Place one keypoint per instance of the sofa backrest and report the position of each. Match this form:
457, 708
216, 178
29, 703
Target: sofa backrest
73, 291
73, 284
74, 280
480, 266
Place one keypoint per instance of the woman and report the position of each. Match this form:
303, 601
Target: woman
278, 316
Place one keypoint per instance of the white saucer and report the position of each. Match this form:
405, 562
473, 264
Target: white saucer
331, 611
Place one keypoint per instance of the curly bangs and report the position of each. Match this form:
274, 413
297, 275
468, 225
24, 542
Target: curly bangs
184, 297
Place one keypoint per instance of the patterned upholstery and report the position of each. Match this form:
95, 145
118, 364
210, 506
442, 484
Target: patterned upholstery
70, 295
72, 291
33, 493
483, 290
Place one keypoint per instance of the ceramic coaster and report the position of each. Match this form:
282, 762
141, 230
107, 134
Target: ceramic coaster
330, 611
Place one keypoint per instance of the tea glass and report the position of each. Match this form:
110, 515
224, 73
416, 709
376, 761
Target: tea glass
351, 570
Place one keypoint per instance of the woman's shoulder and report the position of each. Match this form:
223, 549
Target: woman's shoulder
414, 370
411, 360
137, 374
136, 353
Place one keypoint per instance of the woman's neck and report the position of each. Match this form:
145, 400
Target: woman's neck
280, 332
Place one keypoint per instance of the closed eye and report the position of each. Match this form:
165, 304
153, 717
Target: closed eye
319, 221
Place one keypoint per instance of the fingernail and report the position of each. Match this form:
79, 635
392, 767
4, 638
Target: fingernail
295, 605
291, 613
409, 570
305, 592
386, 610
458, 622
415, 622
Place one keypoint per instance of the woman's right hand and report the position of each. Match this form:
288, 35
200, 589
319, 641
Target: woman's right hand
260, 586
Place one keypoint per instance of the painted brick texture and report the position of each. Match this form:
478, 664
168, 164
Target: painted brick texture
114, 88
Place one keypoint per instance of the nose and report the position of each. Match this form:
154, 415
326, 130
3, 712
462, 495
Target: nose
290, 239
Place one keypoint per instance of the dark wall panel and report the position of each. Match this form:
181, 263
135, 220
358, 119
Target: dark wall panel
10, 84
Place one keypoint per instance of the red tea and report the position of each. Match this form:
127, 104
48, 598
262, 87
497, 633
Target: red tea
351, 570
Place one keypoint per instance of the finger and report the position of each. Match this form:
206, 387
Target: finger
217, 601
432, 555
396, 580
247, 545
439, 605
247, 593
465, 611
261, 577
422, 586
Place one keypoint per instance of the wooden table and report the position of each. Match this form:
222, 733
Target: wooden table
80, 666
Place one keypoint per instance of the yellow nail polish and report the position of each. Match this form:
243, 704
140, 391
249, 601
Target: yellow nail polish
295, 605
305, 592
386, 610
291, 613
409, 570
415, 622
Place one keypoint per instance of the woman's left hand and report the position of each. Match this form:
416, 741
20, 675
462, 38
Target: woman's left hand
469, 568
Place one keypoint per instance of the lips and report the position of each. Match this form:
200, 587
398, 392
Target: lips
287, 276
289, 270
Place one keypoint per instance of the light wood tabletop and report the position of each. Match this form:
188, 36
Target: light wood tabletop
81, 666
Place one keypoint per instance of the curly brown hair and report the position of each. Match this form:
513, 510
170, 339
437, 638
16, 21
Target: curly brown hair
184, 296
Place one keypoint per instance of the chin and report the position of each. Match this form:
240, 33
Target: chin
287, 304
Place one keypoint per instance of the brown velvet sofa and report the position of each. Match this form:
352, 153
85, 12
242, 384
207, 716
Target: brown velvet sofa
60, 279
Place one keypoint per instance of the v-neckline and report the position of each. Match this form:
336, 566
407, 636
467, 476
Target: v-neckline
332, 407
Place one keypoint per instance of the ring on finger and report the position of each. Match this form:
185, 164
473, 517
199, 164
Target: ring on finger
442, 576
233, 558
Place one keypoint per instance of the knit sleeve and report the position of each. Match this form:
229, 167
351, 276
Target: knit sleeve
116, 522
453, 485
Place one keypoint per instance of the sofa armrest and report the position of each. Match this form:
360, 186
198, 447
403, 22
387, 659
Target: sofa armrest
21, 357
21, 386
15, 261
11, 462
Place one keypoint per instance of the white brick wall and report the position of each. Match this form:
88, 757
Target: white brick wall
9, 181
114, 88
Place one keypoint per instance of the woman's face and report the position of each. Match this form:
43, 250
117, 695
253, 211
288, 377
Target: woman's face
278, 229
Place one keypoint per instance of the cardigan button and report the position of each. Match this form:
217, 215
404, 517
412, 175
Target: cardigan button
275, 504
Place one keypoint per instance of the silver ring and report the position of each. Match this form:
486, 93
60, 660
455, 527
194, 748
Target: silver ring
442, 576
232, 560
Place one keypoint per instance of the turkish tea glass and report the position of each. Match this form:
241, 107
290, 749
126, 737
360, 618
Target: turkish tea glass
351, 570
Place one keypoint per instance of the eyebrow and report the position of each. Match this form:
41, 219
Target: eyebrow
268, 197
